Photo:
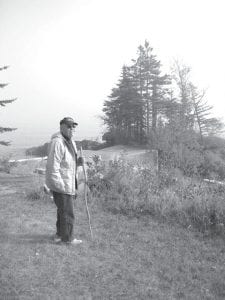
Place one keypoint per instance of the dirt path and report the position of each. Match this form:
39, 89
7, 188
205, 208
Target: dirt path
129, 258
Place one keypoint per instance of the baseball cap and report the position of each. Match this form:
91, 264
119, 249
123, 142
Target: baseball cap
68, 121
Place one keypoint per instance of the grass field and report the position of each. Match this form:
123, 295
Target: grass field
129, 258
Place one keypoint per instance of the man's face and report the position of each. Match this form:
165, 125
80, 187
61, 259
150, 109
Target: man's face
67, 130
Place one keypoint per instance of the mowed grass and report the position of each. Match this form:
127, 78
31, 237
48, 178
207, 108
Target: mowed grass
129, 258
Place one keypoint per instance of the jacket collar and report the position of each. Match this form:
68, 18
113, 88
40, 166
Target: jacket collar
71, 145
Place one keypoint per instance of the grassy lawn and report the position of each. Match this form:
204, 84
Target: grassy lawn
128, 258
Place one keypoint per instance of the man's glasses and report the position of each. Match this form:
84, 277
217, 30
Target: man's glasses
71, 126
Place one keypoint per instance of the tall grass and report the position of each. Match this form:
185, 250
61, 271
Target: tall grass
138, 190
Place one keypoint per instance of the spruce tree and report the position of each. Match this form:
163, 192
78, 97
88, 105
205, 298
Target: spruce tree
133, 108
152, 85
122, 110
4, 102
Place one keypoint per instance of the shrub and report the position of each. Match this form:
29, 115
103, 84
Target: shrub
5, 165
38, 151
90, 145
136, 190
212, 167
37, 191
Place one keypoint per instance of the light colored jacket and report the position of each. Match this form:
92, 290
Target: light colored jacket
61, 168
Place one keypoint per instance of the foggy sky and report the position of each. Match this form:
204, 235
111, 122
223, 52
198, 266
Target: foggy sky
66, 56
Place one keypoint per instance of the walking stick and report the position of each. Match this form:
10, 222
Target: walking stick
85, 194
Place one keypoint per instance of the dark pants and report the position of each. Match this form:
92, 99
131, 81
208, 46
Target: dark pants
65, 216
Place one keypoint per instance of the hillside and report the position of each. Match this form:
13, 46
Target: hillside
129, 258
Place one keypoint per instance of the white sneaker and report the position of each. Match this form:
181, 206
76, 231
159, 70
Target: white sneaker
57, 239
74, 242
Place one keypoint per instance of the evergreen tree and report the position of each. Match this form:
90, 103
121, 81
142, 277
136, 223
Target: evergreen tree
147, 106
133, 107
4, 102
123, 110
152, 85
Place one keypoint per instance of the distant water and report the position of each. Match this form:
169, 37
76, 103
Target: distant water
19, 143
12, 152
27, 136
25, 139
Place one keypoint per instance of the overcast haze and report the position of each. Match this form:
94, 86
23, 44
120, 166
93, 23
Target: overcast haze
66, 56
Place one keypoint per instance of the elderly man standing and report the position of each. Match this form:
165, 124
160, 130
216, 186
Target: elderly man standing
61, 179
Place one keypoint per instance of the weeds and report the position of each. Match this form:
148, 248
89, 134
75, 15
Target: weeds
5, 165
136, 190
36, 194
36, 190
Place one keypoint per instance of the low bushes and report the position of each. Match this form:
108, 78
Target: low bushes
138, 190
38, 151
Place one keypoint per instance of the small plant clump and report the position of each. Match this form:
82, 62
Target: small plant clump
38, 190
5, 165
37, 194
